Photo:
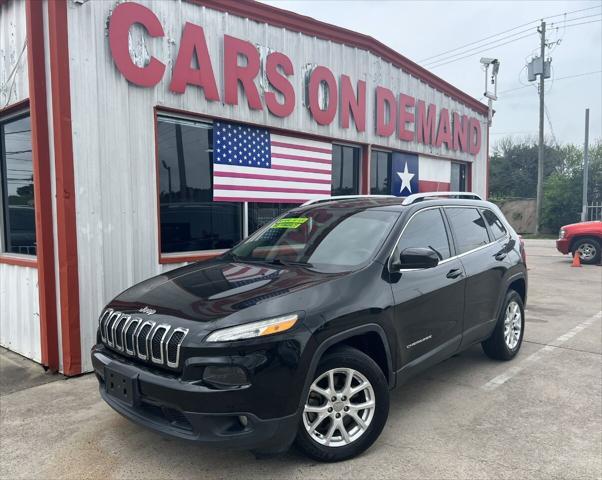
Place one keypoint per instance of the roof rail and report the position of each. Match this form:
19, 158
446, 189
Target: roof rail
409, 200
344, 197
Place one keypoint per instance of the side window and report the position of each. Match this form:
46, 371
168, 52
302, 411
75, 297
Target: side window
495, 224
190, 219
17, 212
468, 227
427, 230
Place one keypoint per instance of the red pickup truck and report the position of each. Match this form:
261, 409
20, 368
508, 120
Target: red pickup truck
585, 238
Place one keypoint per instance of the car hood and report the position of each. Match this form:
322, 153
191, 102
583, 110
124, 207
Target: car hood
589, 226
213, 290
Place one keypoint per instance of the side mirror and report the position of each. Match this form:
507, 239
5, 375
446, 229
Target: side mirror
418, 257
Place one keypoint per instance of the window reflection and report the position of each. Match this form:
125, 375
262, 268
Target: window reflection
17, 186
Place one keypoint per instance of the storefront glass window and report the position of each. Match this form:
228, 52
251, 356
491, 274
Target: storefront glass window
16, 190
190, 219
345, 170
380, 173
458, 177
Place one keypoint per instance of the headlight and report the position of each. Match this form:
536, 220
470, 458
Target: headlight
255, 329
562, 233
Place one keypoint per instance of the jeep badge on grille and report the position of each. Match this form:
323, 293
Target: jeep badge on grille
147, 310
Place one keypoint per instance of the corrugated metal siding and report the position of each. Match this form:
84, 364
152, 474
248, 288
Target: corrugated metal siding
13, 84
113, 130
19, 301
19, 310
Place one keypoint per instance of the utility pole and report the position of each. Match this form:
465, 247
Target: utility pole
542, 31
585, 166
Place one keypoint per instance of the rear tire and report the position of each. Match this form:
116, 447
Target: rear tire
345, 379
589, 250
507, 337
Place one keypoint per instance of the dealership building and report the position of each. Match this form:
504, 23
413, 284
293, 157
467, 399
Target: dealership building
116, 158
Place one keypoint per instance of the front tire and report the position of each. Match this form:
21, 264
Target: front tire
507, 337
589, 250
346, 407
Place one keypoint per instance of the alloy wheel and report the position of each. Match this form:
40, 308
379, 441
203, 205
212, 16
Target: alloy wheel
512, 325
339, 408
587, 251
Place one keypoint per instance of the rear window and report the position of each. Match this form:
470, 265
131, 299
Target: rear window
468, 227
495, 224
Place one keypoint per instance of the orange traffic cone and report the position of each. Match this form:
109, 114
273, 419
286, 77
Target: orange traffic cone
576, 260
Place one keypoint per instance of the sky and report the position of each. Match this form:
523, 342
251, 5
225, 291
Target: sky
420, 30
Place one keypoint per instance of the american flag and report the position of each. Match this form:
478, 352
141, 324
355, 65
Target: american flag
253, 165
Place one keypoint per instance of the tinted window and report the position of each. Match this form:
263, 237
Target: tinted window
426, 229
334, 237
380, 173
468, 227
16, 167
345, 170
495, 224
190, 219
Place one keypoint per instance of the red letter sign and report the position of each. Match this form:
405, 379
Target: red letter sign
349, 102
405, 117
124, 16
233, 73
444, 132
460, 128
425, 128
281, 84
319, 75
193, 45
385, 127
475, 136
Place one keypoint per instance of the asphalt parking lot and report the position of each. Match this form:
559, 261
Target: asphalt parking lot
539, 416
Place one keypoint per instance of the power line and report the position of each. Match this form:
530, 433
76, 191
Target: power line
503, 32
479, 46
556, 80
481, 51
583, 23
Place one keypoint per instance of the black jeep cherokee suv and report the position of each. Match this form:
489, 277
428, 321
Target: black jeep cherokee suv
300, 331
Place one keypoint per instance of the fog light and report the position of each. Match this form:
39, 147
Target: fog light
219, 376
244, 421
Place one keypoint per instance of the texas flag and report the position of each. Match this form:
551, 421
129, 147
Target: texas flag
412, 174
404, 174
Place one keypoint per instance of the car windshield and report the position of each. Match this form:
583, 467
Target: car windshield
339, 238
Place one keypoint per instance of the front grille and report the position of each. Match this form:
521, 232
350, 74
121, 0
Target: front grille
142, 339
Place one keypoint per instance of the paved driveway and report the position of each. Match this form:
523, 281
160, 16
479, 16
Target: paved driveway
539, 416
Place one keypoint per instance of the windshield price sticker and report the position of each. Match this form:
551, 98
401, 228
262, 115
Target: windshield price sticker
290, 222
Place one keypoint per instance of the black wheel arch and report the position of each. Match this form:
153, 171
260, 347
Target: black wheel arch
346, 338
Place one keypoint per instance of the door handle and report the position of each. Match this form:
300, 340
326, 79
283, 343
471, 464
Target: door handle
500, 256
454, 273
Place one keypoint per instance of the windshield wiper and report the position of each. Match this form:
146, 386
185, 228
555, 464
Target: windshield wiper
287, 263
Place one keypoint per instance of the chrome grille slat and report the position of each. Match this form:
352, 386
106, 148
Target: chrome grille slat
118, 331
109, 327
174, 342
128, 335
133, 336
142, 339
105, 314
161, 332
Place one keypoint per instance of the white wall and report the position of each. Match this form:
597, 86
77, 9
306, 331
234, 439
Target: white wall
19, 301
113, 131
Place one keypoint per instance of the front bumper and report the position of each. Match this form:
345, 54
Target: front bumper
189, 411
563, 245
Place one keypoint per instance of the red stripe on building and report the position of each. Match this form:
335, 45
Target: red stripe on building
40, 143
301, 147
430, 186
269, 177
65, 186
